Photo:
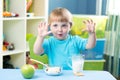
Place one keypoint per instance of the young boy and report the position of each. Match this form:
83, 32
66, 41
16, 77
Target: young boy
62, 45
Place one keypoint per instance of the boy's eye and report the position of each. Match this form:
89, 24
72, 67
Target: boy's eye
64, 25
55, 25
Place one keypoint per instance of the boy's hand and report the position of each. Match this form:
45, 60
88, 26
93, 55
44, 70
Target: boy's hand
90, 26
43, 29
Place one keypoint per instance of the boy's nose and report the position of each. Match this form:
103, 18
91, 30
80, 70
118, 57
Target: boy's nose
60, 28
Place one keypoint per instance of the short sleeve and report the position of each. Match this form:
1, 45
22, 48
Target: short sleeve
81, 43
45, 45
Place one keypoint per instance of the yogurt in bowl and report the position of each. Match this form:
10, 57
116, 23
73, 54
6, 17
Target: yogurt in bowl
54, 71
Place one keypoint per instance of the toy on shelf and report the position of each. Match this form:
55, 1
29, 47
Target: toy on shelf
8, 46
11, 46
10, 14
29, 8
30, 14
4, 48
5, 44
29, 3
6, 63
6, 9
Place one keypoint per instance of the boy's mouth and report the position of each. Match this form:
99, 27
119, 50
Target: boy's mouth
60, 35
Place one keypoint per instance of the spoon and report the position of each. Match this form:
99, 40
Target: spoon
40, 62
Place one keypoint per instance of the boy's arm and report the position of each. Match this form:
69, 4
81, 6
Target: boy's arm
91, 40
38, 45
90, 28
42, 33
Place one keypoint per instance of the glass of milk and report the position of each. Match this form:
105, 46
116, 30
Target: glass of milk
77, 63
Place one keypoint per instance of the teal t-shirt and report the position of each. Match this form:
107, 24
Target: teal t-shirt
59, 51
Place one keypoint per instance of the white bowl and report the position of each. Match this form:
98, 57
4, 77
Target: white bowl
54, 71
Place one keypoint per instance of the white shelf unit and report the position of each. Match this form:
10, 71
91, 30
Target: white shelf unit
15, 29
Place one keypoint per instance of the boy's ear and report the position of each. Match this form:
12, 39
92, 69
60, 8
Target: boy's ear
71, 24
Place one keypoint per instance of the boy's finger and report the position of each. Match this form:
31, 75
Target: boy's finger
88, 21
45, 26
91, 21
40, 24
84, 22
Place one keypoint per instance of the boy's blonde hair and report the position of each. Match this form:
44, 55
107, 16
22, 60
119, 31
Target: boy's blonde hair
60, 15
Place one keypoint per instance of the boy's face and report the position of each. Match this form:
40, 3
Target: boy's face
60, 29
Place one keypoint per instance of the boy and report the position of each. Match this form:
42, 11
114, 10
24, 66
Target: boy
62, 45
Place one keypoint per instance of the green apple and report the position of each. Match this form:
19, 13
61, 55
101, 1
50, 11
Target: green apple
27, 71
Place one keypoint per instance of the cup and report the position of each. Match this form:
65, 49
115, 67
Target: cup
77, 64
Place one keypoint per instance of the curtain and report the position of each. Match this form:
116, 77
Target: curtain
112, 34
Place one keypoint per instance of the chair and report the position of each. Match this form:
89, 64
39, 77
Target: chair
42, 58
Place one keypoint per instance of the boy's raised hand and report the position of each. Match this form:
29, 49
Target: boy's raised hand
90, 26
43, 29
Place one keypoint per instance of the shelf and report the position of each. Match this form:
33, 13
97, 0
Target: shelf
14, 29
13, 18
11, 52
36, 17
